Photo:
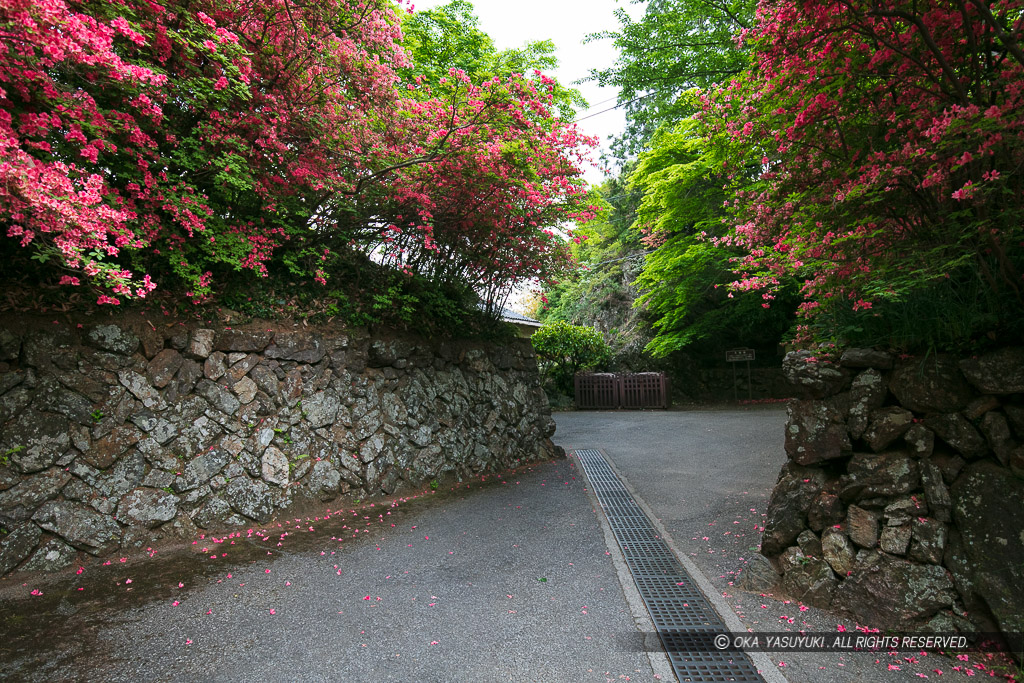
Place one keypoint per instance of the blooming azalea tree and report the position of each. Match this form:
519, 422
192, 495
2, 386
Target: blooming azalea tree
485, 211
195, 136
180, 142
878, 160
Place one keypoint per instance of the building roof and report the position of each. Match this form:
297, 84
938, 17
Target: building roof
511, 316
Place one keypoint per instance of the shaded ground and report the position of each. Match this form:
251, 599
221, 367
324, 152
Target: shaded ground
508, 580
707, 476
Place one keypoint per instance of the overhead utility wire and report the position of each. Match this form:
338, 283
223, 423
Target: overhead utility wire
598, 104
617, 106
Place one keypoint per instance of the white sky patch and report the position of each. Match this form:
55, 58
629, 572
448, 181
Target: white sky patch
567, 23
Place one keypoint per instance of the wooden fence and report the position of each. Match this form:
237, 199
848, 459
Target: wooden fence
607, 391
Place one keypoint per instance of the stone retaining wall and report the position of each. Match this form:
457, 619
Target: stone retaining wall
116, 435
902, 501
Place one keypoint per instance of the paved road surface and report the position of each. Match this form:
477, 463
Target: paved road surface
515, 578
706, 477
506, 581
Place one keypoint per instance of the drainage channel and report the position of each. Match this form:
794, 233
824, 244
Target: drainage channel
686, 622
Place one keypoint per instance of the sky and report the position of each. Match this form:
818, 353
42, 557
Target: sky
511, 23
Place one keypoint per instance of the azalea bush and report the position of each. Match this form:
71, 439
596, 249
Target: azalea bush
867, 157
876, 156
200, 145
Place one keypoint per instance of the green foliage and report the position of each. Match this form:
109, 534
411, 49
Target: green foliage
244, 156
599, 292
449, 37
360, 293
680, 180
675, 192
959, 314
887, 172
677, 45
685, 285
656, 238
950, 291
286, 437
5, 459
446, 37
565, 349
685, 280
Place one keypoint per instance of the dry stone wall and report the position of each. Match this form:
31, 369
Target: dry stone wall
114, 435
902, 501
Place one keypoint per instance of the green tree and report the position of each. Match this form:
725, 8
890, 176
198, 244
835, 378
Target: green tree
566, 349
658, 243
675, 191
685, 281
599, 293
677, 45
888, 138
603, 244
446, 37
449, 37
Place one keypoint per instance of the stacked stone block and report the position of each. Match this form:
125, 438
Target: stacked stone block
902, 500
115, 436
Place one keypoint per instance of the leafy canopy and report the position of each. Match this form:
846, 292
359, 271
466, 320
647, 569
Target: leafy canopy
685, 280
889, 137
449, 36
866, 155
677, 45
200, 144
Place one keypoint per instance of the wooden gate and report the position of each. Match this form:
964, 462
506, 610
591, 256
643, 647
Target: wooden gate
597, 391
606, 391
643, 390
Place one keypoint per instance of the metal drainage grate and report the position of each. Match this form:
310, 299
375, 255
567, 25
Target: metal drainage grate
654, 566
637, 535
623, 512
685, 620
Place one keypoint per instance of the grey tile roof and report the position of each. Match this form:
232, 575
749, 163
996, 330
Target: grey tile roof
511, 316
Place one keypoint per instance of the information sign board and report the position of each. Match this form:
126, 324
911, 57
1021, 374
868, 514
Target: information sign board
737, 355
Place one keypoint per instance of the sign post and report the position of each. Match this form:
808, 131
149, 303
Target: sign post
736, 356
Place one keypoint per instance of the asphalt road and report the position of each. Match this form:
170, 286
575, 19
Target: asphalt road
705, 476
512, 578
505, 580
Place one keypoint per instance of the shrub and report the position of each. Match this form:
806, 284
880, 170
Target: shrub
565, 349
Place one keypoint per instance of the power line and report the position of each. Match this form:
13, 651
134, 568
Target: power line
603, 111
617, 106
598, 104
